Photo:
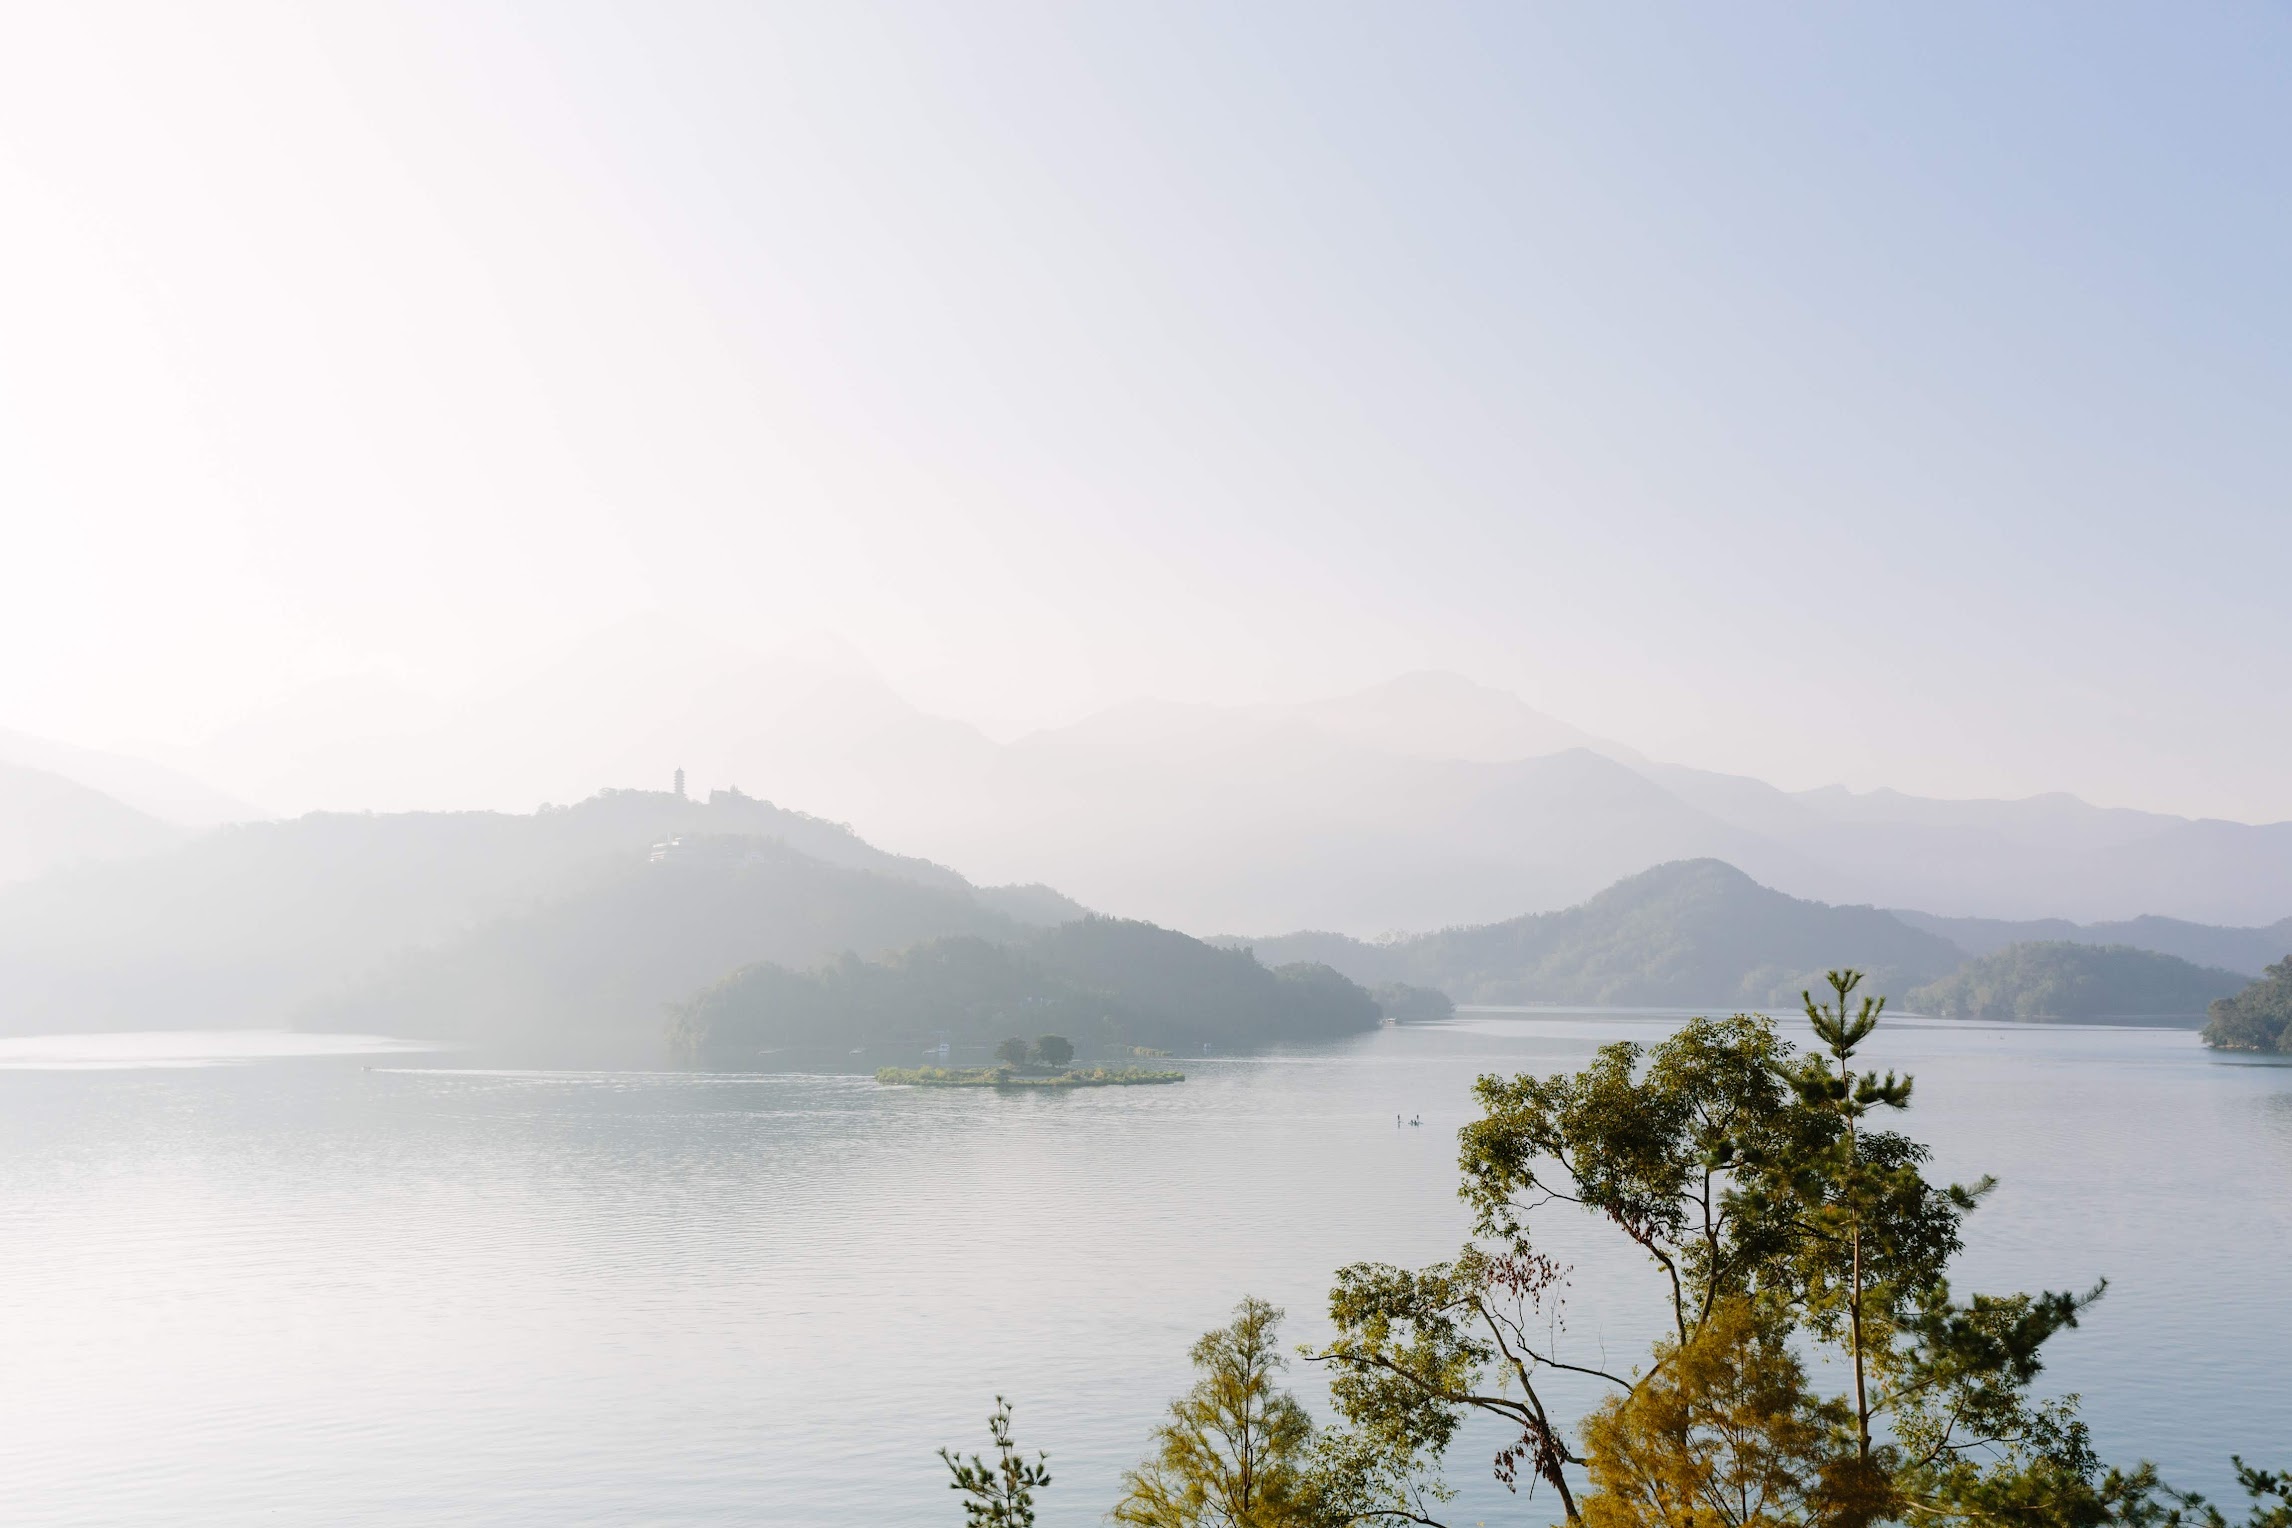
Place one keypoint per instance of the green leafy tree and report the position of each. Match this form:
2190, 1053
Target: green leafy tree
1054, 1050
1002, 1494
1651, 1140
1868, 1274
1723, 1433
2270, 1492
1013, 1051
1753, 1179
1236, 1451
1418, 1349
1850, 1198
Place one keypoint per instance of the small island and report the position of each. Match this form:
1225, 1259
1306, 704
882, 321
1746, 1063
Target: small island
1015, 1077
1045, 1064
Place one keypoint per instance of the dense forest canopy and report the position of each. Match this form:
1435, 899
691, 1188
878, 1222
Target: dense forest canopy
2055, 979
2257, 1019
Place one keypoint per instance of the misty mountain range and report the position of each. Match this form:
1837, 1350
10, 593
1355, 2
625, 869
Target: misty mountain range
1701, 933
310, 920
567, 934
1423, 803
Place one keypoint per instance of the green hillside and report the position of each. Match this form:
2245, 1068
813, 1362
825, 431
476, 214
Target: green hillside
251, 924
2060, 979
585, 976
1692, 933
1101, 982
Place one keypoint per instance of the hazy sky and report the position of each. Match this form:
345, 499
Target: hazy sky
1897, 395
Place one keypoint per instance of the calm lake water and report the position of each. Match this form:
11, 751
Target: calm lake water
290, 1289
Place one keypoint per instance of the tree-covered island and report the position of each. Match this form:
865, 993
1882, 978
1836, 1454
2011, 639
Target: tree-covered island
1010, 1077
2257, 1019
1047, 1063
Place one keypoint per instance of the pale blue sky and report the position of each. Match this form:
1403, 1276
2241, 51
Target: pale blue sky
1889, 395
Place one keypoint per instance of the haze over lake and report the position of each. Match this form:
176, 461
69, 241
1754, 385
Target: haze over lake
299, 1289
662, 664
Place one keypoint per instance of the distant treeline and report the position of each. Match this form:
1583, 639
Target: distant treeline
1105, 982
2053, 979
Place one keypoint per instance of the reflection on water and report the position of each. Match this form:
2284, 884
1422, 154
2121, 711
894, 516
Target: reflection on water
185, 1047
306, 1290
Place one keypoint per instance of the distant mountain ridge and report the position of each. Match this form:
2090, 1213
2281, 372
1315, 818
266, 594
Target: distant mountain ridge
1703, 934
1692, 933
1424, 801
152, 789
47, 821
2246, 951
252, 924
565, 933
586, 976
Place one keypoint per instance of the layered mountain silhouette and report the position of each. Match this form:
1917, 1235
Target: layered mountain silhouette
325, 917
61, 805
567, 934
585, 975
2245, 951
1702, 934
1694, 933
1423, 802
47, 821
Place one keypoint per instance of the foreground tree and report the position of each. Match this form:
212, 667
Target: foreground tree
1002, 1494
1753, 1180
1054, 1050
2262, 1486
1785, 1225
1236, 1451
1721, 1432
1651, 1140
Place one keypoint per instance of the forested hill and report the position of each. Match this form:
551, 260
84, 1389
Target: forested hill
585, 977
1691, 933
2058, 979
2247, 951
1100, 982
254, 923
2257, 1019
